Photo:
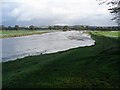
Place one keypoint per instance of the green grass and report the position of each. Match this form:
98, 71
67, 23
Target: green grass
86, 67
109, 33
17, 33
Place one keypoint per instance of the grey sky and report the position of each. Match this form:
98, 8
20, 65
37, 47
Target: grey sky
55, 12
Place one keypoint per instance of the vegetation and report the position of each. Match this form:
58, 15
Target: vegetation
109, 34
31, 27
17, 33
114, 8
16, 27
82, 27
86, 67
64, 28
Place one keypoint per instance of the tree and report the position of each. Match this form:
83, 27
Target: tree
81, 28
10, 28
65, 28
16, 27
2, 27
50, 27
31, 27
114, 8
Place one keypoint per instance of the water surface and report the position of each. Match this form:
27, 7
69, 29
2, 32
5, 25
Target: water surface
19, 47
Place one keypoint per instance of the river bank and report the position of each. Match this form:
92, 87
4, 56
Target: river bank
19, 33
85, 67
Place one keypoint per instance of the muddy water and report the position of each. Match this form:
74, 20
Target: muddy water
19, 47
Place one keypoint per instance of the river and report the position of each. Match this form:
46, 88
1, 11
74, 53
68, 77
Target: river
19, 47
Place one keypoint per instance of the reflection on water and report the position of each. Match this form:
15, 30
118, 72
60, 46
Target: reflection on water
18, 47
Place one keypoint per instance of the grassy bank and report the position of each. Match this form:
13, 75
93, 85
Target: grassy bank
87, 67
108, 33
18, 33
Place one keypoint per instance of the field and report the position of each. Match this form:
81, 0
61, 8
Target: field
86, 67
17, 33
108, 33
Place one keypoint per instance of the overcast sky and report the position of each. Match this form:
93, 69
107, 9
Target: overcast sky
55, 12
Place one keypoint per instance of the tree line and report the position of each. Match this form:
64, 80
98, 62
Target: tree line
57, 27
83, 27
17, 27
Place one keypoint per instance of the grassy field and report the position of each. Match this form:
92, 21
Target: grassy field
17, 33
108, 33
86, 67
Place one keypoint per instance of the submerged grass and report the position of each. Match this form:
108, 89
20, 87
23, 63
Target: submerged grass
85, 67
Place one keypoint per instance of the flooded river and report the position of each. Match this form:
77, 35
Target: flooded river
19, 47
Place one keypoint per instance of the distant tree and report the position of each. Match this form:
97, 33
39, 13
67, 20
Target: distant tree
50, 27
65, 28
114, 8
86, 27
11, 28
2, 27
56, 27
81, 27
32, 27
16, 27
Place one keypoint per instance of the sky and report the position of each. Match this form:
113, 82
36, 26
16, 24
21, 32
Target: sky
55, 12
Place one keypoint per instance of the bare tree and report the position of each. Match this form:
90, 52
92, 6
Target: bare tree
114, 8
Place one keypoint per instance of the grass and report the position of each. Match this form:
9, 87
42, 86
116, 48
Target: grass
18, 33
108, 33
86, 67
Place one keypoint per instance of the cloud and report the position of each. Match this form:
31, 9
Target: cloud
49, 12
